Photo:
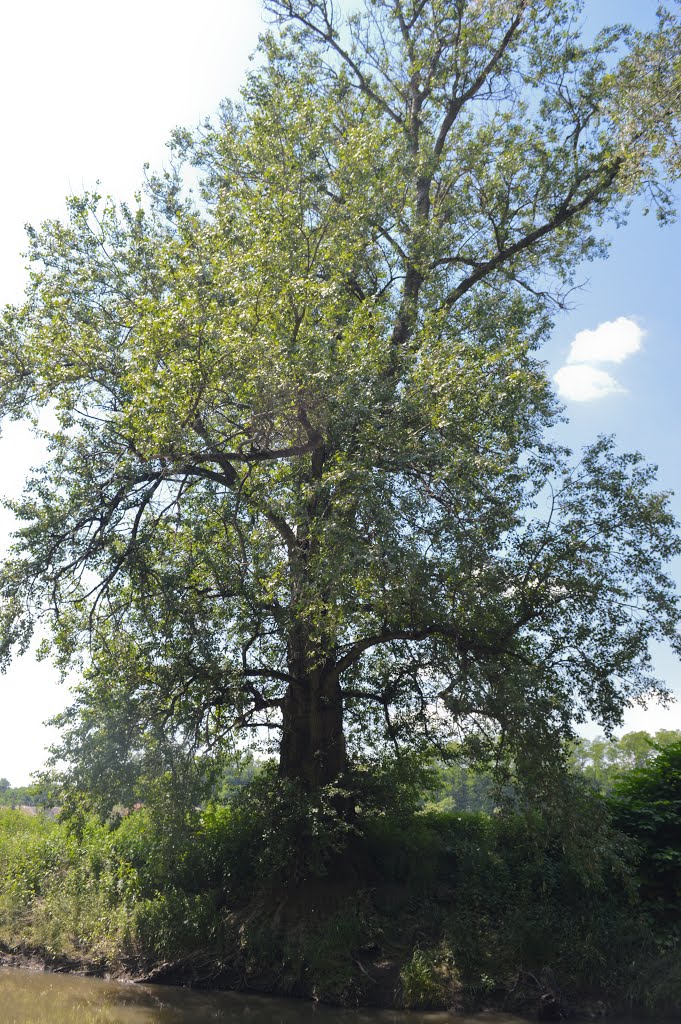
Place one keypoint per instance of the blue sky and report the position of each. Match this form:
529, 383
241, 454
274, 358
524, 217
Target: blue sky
91, 91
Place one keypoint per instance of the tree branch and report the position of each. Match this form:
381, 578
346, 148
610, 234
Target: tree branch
286, 9
267, 673
388, 636
458, 102
563, 215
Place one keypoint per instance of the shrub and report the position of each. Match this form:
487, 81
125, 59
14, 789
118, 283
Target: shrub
430, 980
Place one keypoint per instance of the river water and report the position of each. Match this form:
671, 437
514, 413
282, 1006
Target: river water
37, 997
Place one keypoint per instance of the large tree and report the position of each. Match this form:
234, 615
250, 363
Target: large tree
299, 474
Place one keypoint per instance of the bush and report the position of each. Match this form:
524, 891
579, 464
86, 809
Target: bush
274, 833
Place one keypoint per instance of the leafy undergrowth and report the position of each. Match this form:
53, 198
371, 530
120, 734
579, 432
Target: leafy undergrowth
270, 893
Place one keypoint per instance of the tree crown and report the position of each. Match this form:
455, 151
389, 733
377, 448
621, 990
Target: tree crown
300, 449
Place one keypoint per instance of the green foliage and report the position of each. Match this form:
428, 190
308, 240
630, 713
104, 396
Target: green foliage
299, 474
65, 895
465, 789
170, 925
115, 760
285, 833
646, 804
465, 784
385, 780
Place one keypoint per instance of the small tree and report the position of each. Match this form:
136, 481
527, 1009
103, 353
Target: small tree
300, 477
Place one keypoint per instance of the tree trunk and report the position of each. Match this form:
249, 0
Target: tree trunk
312, 749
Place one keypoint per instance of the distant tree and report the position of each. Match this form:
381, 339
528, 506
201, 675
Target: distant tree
602, 761
300, 479
18, 796
464, 788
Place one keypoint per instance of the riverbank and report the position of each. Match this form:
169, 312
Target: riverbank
529, 915
27, 998
528, 997
181, 976
377, 981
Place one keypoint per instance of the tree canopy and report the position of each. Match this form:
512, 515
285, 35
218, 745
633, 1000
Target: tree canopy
300, 471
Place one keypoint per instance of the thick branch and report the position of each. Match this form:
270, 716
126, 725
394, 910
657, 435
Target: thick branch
563, 215
388, 636
267, 673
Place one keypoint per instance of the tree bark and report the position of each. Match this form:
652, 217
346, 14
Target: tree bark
312, 750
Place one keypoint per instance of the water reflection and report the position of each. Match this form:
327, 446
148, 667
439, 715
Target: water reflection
33, 997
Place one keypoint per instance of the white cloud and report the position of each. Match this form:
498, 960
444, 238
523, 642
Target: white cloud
611, 342
583, 383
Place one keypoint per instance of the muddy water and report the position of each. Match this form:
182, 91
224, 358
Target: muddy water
35, 997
